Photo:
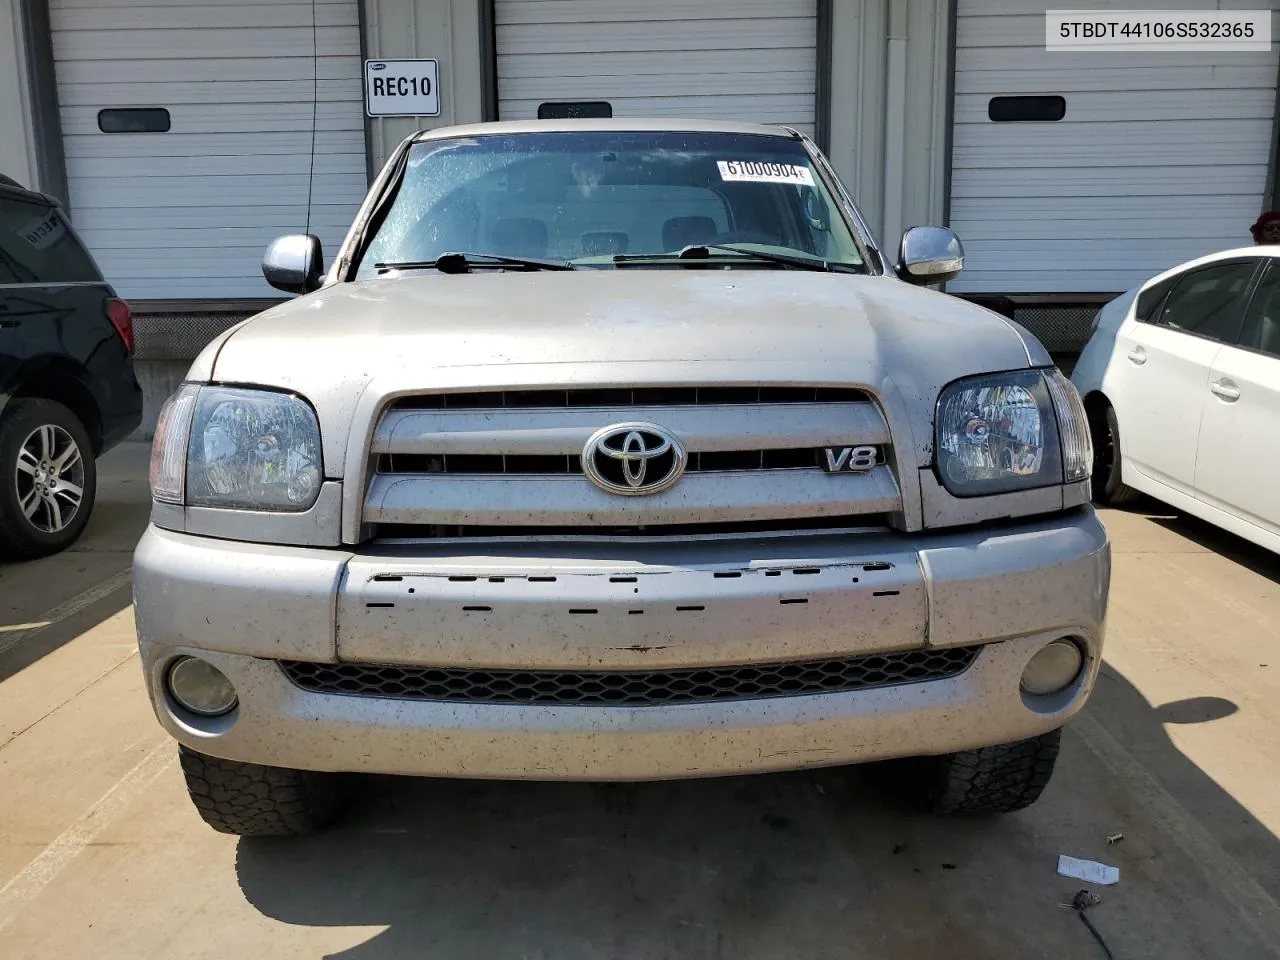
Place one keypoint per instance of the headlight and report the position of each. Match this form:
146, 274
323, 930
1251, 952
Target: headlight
242, 449
1011, 431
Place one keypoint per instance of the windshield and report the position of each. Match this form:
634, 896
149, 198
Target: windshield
588, 197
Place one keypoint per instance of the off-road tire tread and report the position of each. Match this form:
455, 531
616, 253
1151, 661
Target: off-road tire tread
18, 541
1111, 490
251, 800
999, 779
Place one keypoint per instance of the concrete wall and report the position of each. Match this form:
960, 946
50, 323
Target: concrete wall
445, 30
889, 94
17, 151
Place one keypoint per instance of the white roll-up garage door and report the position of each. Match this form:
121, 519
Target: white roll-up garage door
1160, 157
751, 60
266, 135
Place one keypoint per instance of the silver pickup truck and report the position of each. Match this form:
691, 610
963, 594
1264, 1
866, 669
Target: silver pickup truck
617, 450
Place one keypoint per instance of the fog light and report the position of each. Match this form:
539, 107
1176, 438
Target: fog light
1052, 669
201, 687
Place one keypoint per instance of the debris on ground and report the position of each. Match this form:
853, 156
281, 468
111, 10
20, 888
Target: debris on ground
948, 866
1114, 839
1081, 902
1090, 871
1084, 900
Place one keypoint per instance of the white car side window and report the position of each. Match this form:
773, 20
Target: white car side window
1262, 326
1209, 302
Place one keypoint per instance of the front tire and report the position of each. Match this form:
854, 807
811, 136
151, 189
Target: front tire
251, 800
999, 779
1108, 488
48, 479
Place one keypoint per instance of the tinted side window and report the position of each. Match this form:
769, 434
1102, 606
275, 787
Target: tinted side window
37, 247
1262, 325
1150, 299
1210, 301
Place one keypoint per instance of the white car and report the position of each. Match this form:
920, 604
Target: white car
1181, 379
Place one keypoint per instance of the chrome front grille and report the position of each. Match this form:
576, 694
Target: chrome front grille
507, 459
630, 688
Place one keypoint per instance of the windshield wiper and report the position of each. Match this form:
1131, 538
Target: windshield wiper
463, 262
704, 252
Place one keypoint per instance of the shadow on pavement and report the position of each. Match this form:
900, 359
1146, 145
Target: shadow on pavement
814, 864
1234, 548
84, 585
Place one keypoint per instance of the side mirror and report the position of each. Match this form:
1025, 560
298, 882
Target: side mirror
929, 255
294, 264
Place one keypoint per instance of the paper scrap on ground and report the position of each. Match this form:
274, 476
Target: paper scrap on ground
1089, 871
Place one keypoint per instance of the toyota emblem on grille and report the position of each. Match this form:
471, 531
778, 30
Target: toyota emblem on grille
634, 458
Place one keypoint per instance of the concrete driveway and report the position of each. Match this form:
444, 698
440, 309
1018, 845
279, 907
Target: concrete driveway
102, 857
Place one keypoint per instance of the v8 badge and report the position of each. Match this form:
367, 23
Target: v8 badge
849, 459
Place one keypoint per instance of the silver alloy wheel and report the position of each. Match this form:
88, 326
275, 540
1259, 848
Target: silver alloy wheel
50, 478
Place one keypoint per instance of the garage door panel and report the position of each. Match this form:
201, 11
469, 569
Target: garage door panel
184, 168
1023, 29
232, 118
762, 85
748, 61
189, 212
222, 16
1001, 8
302, 8
1182, 106
325, 218
714, 66
230, 191
778, 109
196, 70
696, 35
89, 146
161, 44
1100, 211
1082, 231
178, 93
574, 11
1160, 157
1143, 142
1101, 252
1112, 181
1006, 72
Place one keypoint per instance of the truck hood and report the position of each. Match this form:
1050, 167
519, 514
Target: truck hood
350, 346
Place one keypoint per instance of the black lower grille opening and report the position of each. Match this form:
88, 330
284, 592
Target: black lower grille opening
801, 458
630, 688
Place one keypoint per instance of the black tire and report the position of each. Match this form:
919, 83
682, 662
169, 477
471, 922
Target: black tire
49, 523
999, 779
1108, 488
250, 800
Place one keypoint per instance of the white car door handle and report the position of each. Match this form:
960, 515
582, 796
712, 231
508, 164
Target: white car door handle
1225, 390
1137, 356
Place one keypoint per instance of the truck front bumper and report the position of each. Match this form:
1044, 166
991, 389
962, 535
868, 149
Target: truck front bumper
569, 606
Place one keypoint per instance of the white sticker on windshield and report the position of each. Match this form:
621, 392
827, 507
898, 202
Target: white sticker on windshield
758, 171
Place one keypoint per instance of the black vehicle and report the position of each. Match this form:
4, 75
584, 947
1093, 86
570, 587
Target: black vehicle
67, 388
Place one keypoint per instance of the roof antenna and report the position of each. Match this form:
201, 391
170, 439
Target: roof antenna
315, 107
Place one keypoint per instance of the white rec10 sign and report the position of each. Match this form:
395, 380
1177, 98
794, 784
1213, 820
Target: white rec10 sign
402, 88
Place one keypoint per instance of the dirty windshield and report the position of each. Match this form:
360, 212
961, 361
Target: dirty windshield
590, 197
